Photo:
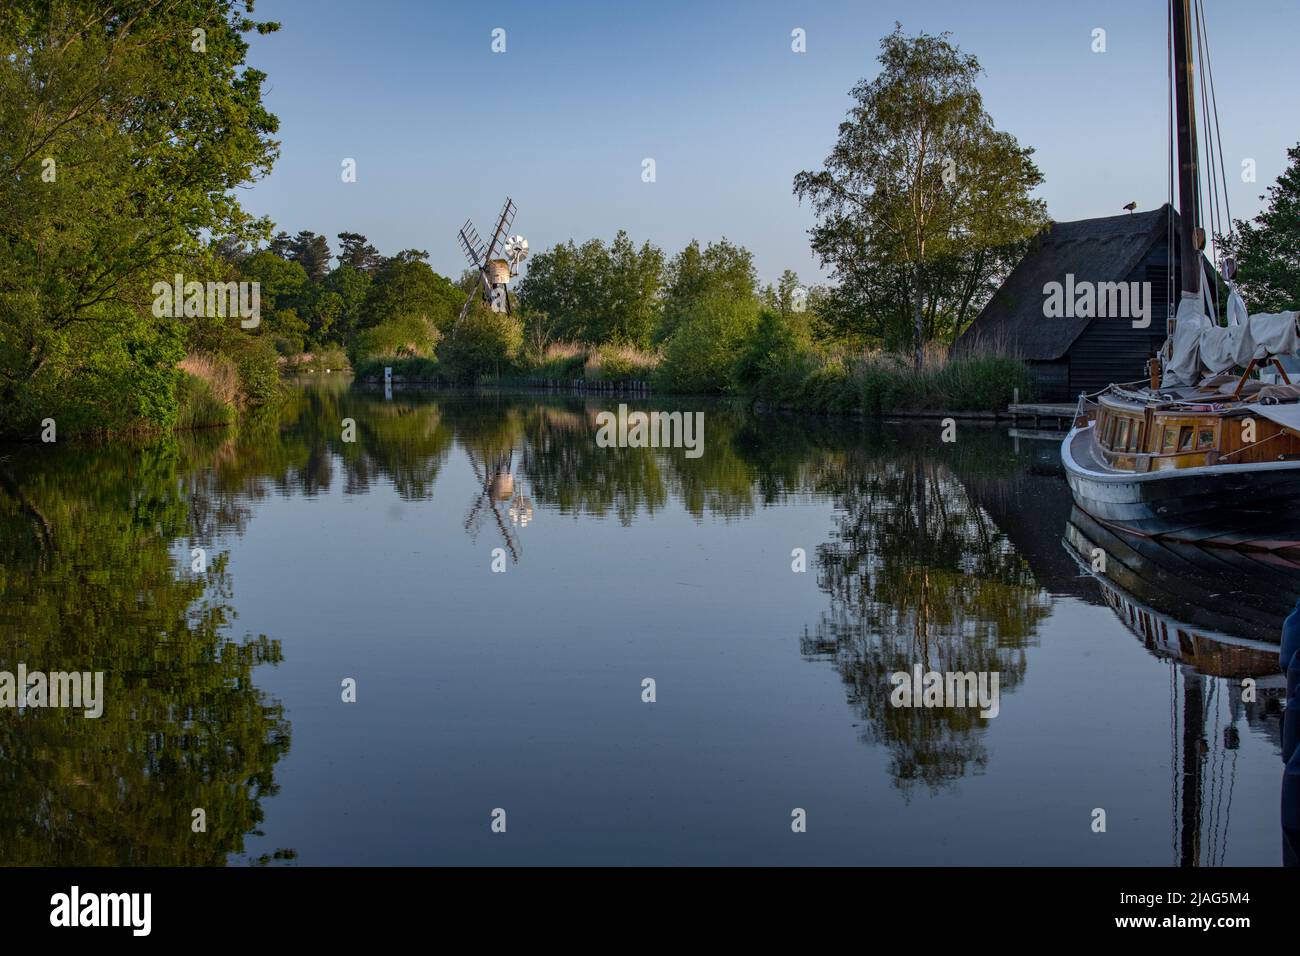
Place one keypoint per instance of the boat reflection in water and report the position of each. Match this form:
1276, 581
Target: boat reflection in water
1216, 616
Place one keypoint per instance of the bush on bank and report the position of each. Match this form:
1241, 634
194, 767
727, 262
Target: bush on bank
780, 365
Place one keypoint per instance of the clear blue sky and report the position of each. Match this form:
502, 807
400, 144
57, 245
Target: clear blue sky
442, 128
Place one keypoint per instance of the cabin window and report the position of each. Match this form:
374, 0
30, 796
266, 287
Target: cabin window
1205, 438
1135, 437
1169, 441
1121, 436
1185, 438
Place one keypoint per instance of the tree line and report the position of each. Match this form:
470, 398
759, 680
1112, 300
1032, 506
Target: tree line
372, 303
124, 139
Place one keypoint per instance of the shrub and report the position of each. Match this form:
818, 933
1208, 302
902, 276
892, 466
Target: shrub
699, 354
103, 377
330, 357
259, 373
970, 383
559, 361
764, 362
401, 337
984, 382
484, 341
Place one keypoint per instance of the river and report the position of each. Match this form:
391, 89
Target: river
391, 649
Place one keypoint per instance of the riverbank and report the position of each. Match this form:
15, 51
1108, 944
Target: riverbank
874, 384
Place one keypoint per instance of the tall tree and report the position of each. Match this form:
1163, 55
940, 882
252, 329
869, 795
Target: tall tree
122, 142
1268, 248
351, 286
281, 245
595, 293
694, 275
407, 287
356, 252
312, 252
919, 175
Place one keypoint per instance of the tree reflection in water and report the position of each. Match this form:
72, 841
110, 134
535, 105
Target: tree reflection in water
89, 582
917, 573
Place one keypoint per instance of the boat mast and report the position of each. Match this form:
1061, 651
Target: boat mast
1191, 239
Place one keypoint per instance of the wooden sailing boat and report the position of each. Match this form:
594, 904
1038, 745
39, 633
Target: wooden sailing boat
1202, 452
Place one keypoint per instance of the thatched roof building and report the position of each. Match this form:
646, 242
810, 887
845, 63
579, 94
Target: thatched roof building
1073, 341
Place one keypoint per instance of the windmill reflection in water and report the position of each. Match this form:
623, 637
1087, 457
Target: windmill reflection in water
498, 487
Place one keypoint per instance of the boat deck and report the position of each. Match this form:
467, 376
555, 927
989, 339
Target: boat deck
1085, 455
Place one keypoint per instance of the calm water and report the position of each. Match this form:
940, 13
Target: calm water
522, 690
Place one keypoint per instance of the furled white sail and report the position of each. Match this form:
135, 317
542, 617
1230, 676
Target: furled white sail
1184, 365
1201, 345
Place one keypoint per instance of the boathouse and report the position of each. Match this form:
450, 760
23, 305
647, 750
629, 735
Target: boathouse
1057, 309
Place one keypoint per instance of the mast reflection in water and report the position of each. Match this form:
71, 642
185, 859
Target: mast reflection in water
1222, 651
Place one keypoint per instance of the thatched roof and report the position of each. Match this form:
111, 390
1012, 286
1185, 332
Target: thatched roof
1095, 250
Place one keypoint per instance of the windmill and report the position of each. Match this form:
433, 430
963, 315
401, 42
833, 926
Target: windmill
494, 272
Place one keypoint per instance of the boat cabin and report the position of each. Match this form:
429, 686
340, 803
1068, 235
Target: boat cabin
1142, 437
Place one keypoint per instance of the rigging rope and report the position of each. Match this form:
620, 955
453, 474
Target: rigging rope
1211, 181
1218, 132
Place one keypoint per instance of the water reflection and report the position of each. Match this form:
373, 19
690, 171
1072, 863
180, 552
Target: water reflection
1215, 616
953, 557
917, 573
89, 582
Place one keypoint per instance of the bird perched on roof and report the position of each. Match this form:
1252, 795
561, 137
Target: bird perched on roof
1131, 206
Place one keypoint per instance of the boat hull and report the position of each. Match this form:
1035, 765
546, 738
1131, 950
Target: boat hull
1256, 506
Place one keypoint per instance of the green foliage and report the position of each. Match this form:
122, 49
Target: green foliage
400, 337
356, 253
283, 298
969, 383
259, 373
559, 363
984, 383
197, 406
698, 356
287, 331
593, 293
619, 363
113, 373
330, 358
922, 205
722, 269
352, 286
764, 356
281, 281
312, 252
483, 342
1268, 249
423, 370
148, 140
405, 287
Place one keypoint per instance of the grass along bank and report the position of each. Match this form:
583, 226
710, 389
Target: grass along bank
770, 370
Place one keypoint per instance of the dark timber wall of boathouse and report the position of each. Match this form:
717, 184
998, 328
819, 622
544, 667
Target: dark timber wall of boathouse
1111, 349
